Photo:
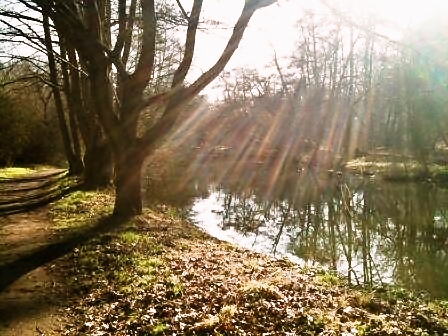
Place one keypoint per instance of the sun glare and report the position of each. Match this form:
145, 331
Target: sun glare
407, 13
273, 29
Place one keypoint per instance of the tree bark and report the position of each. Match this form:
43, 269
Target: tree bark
118, 114
98, 169
75, 163
71, 103
128, 177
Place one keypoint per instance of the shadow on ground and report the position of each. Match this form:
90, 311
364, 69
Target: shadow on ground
31, 304
13, 270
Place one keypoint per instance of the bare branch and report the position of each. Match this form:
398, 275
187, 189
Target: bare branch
129, 29
140, 77
206, 78
121, 28
184, 13
181, 72
179, 95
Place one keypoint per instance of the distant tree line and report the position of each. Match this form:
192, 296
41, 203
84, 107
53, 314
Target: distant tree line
346, 89
29, 133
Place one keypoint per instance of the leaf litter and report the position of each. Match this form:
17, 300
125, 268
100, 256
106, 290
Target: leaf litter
159, 275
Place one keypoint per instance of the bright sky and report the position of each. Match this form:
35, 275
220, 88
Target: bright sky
272, 28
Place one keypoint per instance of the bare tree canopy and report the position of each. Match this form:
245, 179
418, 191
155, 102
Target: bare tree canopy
116, 44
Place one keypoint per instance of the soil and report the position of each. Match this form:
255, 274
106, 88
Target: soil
31, 304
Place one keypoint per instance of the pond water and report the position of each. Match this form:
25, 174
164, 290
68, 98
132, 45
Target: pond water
372, 232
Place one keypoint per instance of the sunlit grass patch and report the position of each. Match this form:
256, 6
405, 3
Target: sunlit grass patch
328, 278
174, 286
81, 201
147, 265
13, 172
79, 208
10, 172
116, 264
440, 305
134, 269
145, 244
158, 329
130, 237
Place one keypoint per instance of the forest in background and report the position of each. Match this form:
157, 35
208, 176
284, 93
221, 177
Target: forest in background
345, 91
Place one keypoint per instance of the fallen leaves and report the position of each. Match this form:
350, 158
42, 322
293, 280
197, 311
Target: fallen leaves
177, 280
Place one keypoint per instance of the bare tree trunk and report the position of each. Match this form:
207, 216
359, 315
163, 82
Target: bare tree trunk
98, 162
98, 171
97, 153
75, 163
71, 103
128, 177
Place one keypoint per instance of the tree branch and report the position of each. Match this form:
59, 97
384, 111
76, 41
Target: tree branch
251, 6
141, 76
182, 70
129, 29
121, 29
179, 95
184, 13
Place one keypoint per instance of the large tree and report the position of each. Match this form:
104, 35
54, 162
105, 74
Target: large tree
103, 33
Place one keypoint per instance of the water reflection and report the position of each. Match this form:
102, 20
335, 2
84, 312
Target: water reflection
372, 232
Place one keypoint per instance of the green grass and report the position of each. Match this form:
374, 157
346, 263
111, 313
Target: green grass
328, 278
11, 172
158, 329
78, 209
174, 286
130, 237
15, 172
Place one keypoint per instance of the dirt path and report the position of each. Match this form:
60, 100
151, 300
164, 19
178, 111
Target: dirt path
19, 194
31, 304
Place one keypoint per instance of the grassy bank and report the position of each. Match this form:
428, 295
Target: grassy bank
398, 171
159, 275
16, 172
10, 172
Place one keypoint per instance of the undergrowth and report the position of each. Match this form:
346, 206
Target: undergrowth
80, 208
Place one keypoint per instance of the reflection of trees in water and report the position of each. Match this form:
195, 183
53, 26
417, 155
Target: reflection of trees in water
174, 183
371, 232
244, 214
336, 231
417, 235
